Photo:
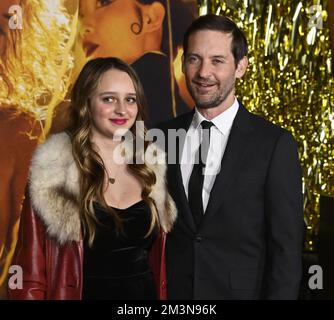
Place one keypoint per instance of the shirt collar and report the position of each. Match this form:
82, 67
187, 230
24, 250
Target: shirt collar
223, 122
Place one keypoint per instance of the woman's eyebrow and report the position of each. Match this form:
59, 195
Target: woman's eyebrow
115, 92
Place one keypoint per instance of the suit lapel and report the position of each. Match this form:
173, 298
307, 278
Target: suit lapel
234, 154
176, 177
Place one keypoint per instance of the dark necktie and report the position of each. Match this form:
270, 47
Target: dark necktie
197, 175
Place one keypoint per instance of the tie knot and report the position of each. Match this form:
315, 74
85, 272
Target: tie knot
206, 124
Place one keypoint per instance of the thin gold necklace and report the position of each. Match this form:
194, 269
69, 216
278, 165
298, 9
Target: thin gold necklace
112, 180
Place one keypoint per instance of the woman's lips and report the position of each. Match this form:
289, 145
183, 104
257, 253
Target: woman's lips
89, 48
119, 122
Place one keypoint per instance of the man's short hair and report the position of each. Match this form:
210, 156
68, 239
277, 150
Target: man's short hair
223, 24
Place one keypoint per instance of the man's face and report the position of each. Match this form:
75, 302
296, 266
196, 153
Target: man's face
210, 69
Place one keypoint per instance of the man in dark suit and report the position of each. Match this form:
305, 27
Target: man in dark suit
236, 183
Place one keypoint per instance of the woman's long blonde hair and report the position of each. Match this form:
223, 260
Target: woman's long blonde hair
91, 168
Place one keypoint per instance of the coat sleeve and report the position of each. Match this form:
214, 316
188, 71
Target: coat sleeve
157, 262
284, 215
30, 256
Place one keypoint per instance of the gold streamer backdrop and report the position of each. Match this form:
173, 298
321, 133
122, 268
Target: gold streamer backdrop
290, 82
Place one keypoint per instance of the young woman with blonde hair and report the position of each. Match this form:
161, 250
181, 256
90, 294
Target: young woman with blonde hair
94, 227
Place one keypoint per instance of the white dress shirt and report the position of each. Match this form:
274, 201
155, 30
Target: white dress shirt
218, 139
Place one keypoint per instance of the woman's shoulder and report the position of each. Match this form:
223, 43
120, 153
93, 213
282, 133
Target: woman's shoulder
58, 140
54, 187
55, 147
52, 163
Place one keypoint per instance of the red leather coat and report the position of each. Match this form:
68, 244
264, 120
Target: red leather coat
50, 247
54, 271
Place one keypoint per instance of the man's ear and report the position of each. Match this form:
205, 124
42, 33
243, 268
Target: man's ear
153, 16
241, 68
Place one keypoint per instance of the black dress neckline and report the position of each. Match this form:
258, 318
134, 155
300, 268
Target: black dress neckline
121, 209
133, 205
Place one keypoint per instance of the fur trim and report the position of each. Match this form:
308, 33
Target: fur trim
54, 188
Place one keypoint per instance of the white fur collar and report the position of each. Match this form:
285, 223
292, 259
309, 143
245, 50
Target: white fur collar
54, 189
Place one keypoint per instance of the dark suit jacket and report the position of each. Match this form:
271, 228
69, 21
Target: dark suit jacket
249, 243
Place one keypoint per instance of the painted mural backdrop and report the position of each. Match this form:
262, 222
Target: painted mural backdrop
43, 46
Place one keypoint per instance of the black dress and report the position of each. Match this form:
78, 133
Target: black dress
116, 267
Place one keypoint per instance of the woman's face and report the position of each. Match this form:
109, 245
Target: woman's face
111, 28
113, 104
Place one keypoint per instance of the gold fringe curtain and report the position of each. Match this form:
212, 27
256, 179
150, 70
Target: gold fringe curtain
290, 82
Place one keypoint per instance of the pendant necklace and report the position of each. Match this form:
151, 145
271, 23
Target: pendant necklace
112, 180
